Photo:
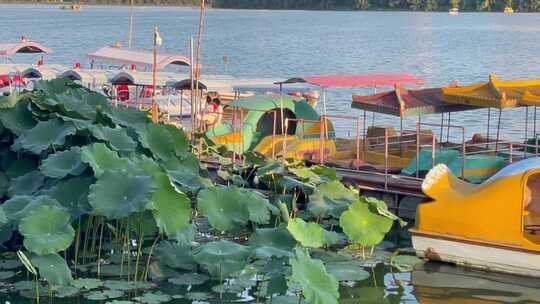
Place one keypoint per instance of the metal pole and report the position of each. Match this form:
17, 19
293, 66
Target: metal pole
448, 128
442, 123
464, 148
155, 109
130, 33
385, 158
498, 131
191, 92
357, 142
526, 123
418, 147
274, 136
488, 125
198, 56
321, 139
364, 131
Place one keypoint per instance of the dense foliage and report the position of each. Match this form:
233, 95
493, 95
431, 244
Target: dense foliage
89, 191
415, 5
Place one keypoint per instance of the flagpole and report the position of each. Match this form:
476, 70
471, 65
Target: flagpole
130, 34
198, 55
155, 109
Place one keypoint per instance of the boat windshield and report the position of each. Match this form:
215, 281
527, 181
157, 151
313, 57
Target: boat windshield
516, 168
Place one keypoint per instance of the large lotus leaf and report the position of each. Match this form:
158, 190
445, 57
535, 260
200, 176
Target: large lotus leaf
222, 257
101, 158
382, 209
223, 207
326, 173
3, 218
72, 194
62, 163
175, 255
21, 206
19, 167
184, 161
346, 271
53, 268
189, 181
46, 230
306, 175
117, 194
272, 242
318, 287
4, 184
128, 117
44, 135
7, 102
363, 224
18, 119
307, 234
82, 104
165, 141
117, 138
26, 184
331, 199
171, 208
259, 208
54, 86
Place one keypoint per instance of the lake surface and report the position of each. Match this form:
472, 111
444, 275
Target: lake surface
278, 44
282, 44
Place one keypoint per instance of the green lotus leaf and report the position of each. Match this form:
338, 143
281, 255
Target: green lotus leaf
259, 208
55, 86
88, 284
128, 117
175, 255
117, 138
189, 279
198, 296
21, 206
272, 242
221, 258
126, 286
331, 199
19, 167
6, 275
3, 218
7, 102
18, 119
63, 163
346, 271
165, 141
189, 181
117, 194
285, 300
72, 194
171, 208
186, 236
307, 234
53, 268
223, 207
143, 223
104, 295
405, 263
27, 184
326, 173
382, 209
82, 104
4, 184
306, 175
363, 224
100, 158
66, 291
153, 298
47, 230
318, 286
44, 135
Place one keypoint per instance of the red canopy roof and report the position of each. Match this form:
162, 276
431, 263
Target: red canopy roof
357, 81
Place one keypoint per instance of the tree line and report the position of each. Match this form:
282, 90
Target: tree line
414, 5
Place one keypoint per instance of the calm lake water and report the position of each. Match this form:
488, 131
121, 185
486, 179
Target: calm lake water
279, 44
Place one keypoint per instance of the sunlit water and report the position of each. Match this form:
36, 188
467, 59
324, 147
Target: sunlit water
282, 44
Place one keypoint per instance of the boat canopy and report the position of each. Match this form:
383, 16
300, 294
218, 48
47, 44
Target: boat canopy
23, 47
86, 75
141, 58
139, 78
404, 103
356, 81
185, 85
495, 93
